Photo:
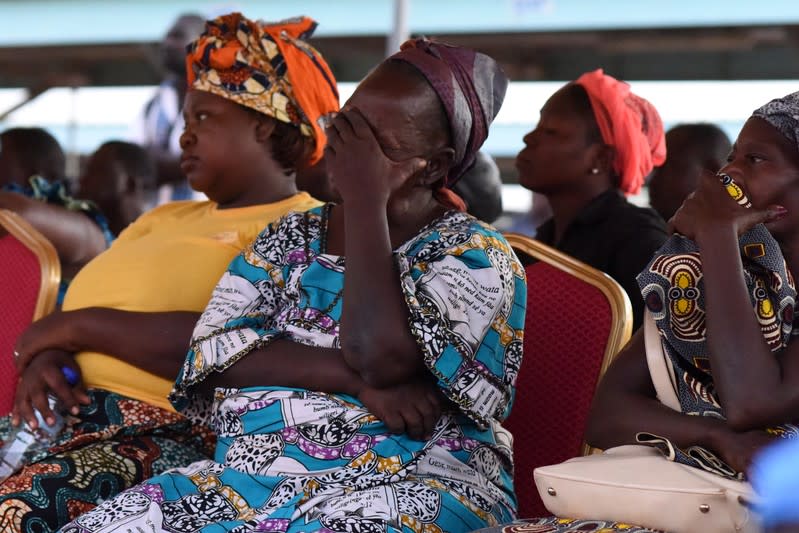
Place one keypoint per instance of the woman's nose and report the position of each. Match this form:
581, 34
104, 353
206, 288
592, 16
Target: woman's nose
186, 138
529, 138
732, 170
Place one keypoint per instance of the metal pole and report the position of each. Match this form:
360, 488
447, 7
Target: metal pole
399, 33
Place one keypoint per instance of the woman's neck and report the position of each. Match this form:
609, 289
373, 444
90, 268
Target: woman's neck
404, 225
261, 195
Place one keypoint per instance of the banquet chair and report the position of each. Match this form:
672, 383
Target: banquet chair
29, 277
577, 319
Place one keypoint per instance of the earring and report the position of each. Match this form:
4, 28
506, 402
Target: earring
594, 170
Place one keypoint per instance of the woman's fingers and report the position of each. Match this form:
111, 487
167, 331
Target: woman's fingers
39, 402
414, 421
395, 422
343, 128
63, 391
23, 411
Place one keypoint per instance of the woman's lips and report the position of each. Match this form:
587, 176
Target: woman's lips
187, 163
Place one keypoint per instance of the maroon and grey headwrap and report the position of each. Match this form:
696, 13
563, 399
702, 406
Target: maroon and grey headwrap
783, 114
471, 87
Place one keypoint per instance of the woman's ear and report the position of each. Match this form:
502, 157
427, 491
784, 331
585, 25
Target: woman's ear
603, 159
438, 166
264, 128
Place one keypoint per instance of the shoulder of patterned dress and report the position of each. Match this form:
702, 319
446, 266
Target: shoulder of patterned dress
454, 233
290, 239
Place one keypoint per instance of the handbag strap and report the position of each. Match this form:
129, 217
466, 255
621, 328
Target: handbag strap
661, 371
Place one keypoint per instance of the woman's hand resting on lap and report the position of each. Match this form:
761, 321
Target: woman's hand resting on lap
412, 408
53, 332
44, 376
738, 449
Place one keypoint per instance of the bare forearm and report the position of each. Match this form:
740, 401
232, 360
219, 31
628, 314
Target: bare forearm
629, 414
284, 363
374, 335
168, 166
626, 404
75, 237
738, 353
155, 342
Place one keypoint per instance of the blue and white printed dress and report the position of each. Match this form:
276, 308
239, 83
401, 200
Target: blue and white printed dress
299, 460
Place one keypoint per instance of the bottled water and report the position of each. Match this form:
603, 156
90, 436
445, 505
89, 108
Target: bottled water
24, 439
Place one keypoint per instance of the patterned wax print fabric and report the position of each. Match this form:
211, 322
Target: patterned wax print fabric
471, 87
672, 287
565, 525
268, 67
783, 114
296, 460
113, 444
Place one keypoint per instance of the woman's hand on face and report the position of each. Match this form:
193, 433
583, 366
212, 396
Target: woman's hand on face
412, 408
357, 164
710, 207
43, 376
738, 449
49, 333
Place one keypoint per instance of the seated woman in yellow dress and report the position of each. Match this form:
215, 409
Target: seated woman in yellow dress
257, 92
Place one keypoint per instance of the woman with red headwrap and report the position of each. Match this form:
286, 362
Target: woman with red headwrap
257, 93
357, 359
595, 142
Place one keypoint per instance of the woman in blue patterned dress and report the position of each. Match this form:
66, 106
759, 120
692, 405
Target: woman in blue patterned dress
363, 394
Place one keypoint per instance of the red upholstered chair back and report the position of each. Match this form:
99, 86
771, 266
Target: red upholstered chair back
577, 319
29, 276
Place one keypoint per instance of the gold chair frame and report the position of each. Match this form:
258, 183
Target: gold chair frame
46, 254
620, 308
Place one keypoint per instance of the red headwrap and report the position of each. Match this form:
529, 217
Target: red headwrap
628, 123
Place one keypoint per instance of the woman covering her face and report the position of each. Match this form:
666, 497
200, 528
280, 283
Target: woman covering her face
356, 360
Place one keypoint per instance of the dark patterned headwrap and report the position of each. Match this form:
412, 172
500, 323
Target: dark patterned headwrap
471, 87
267, 67
783, 114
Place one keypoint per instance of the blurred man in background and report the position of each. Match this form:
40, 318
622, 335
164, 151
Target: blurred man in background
691, 149
161, 121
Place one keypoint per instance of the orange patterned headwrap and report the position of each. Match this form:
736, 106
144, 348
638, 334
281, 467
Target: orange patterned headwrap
628, 123
267, 67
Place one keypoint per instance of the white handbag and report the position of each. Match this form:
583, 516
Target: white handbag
637, 485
